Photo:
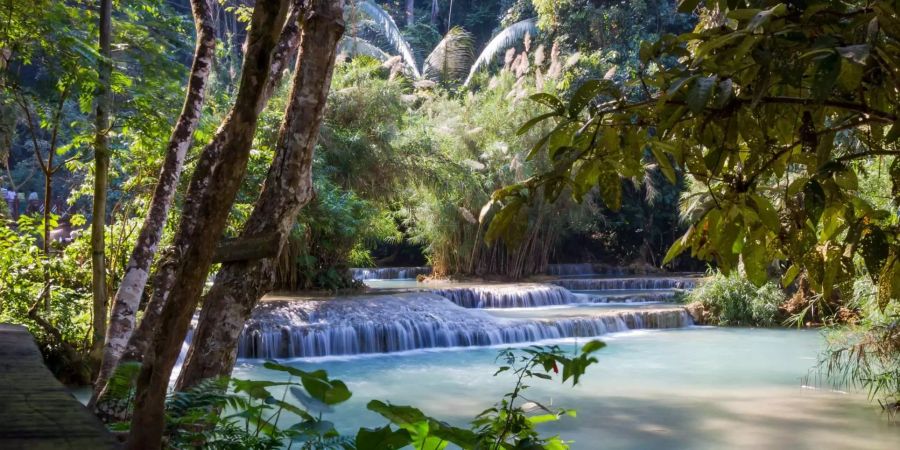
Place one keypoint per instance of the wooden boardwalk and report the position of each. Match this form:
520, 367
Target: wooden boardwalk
36, 411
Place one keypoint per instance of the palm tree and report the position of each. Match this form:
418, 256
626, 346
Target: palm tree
506, 38
450, 61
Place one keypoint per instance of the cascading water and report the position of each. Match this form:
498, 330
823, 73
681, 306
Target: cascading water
625, 296
571, 269
389, 273
608, 284
582, 269
507, 296
392, 323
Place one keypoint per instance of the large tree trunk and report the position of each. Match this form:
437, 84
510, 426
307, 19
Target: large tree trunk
128, 296
284, 52
101, 173
211, 193
288, 187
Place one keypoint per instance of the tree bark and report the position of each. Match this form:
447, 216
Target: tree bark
288, 187
131, 289
214, 185
101, 174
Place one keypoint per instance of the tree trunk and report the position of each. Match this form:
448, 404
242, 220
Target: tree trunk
288, 187
410, 13
101, 173
283, 53
128, 296
211, 193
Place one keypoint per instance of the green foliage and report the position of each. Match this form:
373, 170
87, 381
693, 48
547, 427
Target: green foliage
51, 293
771, 110
329, 237
733, 300
249, 415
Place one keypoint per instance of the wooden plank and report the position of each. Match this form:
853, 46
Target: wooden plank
36, 410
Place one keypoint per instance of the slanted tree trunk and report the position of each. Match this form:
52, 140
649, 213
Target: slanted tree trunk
214, 185
283, 54
288, 187
101, 174
128, 296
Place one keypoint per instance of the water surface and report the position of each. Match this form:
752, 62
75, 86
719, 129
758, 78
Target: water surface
697, 388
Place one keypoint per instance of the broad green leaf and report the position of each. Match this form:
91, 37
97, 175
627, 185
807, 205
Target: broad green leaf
814, 200
593, 346
664, 164
549, 100
856, 53
766, 212
382, 438
543, 418
534, 121
826, 75
789, 275
678, 246
700, 93
587, 92
610, 190
398, 414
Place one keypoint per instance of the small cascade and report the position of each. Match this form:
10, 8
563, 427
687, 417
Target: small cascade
564, 270
626, 297
640, 283
389, 273
393, 323
584, 269
507, 296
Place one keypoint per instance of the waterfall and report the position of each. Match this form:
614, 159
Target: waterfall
392, 323
507, 296
608, 284
389, 273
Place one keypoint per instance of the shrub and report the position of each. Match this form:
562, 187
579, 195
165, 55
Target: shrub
732, 300
864, 354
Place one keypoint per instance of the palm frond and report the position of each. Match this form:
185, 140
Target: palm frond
506, 38
451, 58
354, 46
383, 24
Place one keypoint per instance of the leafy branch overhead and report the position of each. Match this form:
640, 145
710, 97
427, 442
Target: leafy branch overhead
773, 112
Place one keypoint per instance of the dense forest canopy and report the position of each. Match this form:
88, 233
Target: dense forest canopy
278, 143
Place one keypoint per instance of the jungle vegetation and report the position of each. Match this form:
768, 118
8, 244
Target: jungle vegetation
484, 138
